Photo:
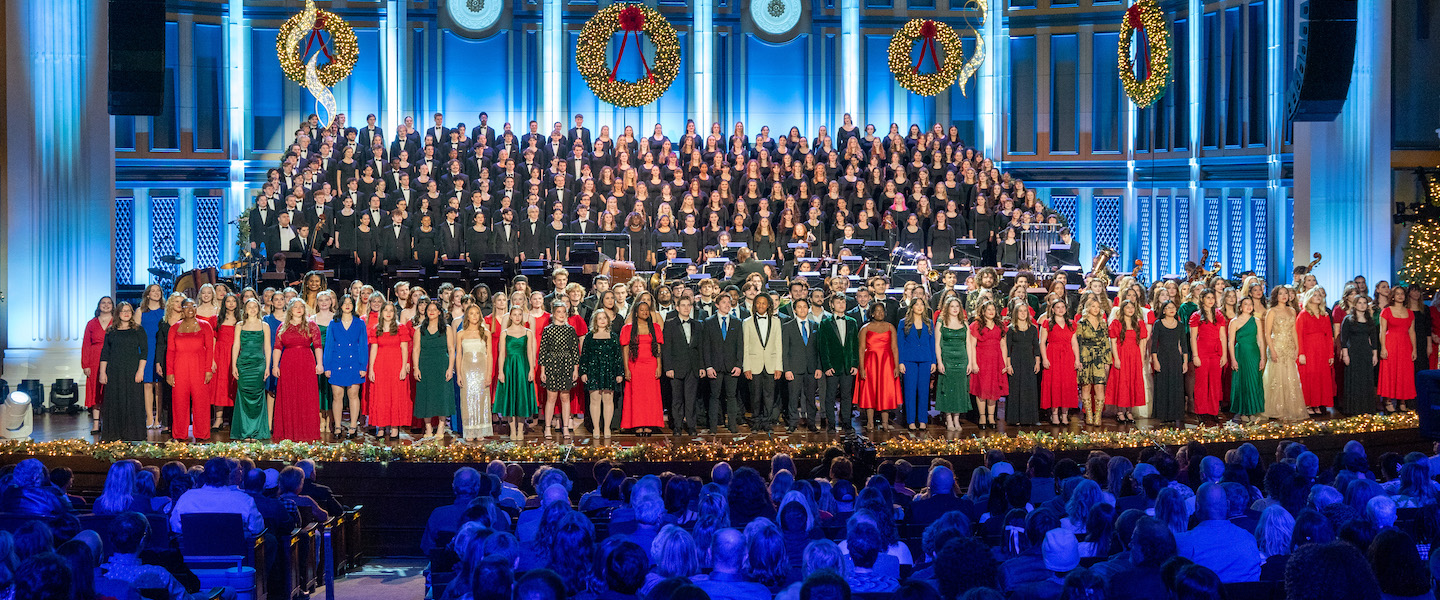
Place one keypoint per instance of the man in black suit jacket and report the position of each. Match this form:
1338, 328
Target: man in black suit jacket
941, 498
452, 234
440, 133
394, 242
681, 358
369, 132
579, 132
839, 359
582, 222
262, 219
483, 130
321, 494
534, 134
507, 234
800, 344
723, 355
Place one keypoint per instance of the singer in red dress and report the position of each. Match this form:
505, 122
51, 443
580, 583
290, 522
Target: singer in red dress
640, 341
297, 361
1207, 347
1317, 353
189, 367
1397, 352
1126, 384
390, 405
989, 360
1059, 385
222, 387
879, 384
90, 358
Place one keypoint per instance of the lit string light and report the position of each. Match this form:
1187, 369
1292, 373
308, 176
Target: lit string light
434, 452
1146, 16
590, 56
1422, 247
343, 49
949, 69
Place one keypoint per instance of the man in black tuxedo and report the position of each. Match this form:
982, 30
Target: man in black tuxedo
403, 143
262, 219
723, 355
370, 132
439, 132
378, 216
839, 360
402, 191
394, 241
452, 235
682, 359
534, 134
801, 344
483, 131
560, 194
283, 237
579, 132
507, 234
582, 222
531, 239
556, 146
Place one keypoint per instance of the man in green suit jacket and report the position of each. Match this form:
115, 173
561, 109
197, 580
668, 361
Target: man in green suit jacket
840, 361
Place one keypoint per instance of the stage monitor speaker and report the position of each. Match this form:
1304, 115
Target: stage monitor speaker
1427, 403
1322, 70
137, 57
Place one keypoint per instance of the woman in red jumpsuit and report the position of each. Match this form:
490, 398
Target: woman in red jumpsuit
1317, 353
1207, 347
90, 358
189, 367
297, 361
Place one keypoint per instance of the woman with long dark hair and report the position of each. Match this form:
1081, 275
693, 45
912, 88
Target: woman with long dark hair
121, 372
347, 346
91, 346
640, 341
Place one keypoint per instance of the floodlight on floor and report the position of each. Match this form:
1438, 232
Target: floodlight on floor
16, 419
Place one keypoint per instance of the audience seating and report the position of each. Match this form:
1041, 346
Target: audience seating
1255, 590
219, 540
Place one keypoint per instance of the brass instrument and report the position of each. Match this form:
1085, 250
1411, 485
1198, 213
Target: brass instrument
1101, 262
932, 275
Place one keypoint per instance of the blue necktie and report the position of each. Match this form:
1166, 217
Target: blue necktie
724, 330
805, 332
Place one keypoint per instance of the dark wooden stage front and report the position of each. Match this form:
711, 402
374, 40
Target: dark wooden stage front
398, 496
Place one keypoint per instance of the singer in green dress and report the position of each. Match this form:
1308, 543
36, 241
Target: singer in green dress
1247, 386
251, 420
515, 390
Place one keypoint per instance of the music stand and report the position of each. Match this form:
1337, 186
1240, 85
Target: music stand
968, 248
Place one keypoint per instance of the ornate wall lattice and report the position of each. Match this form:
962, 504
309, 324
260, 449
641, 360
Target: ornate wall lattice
1212, 226
207, 231
1066, 206
1146, 252
1260, 256
1236, 260
1164, 257
162, 234
125, 240
1182, 228
1107, 223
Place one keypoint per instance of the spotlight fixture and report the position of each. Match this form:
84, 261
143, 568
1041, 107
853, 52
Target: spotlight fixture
35, 391
16, 419
64, 397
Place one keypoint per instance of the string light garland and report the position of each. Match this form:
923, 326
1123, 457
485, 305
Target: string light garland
930, 34
1145, 15
973, 64
343, 49
737, 450
1422, 247
592, 60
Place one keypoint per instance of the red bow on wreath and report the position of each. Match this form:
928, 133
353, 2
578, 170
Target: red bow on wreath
1134, 20
927, 33
315, 36
632, 20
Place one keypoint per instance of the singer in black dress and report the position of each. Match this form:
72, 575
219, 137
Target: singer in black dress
1170, 349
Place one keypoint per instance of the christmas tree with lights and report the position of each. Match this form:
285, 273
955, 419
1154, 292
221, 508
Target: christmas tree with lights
1422, 249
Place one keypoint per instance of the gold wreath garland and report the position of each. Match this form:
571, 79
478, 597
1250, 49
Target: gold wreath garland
926, 84
344, 51
591, 57
1144, 93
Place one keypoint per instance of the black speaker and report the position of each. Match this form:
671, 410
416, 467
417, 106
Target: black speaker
1318, 93
137, 57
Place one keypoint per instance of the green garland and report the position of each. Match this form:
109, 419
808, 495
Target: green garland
738, 449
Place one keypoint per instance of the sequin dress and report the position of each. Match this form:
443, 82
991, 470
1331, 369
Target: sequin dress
559, 355
474, 367
1094, 352
1284, 398
600, 363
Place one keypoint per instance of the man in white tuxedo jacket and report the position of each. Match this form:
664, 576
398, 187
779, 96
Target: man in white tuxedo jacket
763, 364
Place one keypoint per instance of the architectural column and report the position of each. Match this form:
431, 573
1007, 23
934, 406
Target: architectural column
993, 80
1342, 168
237, 93
553, 55
392, 64
702, 51
850, 67
59, 186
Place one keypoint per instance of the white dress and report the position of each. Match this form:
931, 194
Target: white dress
475, 398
